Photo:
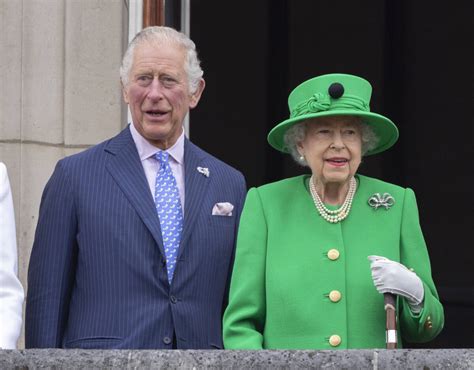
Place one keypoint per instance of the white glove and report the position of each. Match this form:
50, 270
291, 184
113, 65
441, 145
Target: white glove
392, 277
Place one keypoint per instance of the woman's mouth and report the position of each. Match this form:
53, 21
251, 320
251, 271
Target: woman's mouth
337, 162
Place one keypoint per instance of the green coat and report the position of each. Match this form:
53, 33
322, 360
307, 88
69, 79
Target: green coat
282, 277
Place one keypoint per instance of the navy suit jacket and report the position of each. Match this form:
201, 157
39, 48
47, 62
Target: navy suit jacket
97, 276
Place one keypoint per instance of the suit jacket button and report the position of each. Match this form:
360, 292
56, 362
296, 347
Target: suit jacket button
333, 254
173, 299
167, 340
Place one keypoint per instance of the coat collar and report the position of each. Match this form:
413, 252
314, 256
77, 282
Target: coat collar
125, 167
196, 187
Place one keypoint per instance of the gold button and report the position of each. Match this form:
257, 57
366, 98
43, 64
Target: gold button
335, 295
333, 254
334, 340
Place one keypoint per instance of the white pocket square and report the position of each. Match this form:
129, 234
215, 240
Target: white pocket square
222, 209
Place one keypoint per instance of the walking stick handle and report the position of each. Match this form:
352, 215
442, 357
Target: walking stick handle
390, 301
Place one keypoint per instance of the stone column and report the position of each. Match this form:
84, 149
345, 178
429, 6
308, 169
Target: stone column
60, 92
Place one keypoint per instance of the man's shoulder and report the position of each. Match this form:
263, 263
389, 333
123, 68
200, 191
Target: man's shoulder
211, 161
97, 151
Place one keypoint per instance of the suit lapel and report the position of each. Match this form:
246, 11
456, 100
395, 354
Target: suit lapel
125, 167
196, 186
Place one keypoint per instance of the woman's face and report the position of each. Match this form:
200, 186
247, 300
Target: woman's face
332, 148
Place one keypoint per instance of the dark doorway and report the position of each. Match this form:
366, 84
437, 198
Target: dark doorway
418, 57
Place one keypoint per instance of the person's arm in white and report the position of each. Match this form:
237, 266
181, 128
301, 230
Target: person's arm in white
11, 290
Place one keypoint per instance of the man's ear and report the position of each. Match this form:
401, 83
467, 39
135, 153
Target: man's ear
124, 93
197, 94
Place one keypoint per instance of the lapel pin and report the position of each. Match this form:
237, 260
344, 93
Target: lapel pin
385, 200
204, 171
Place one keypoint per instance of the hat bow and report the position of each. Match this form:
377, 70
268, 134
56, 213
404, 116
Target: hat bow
319, 102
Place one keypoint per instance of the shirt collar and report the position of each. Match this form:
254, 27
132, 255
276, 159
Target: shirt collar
147, 150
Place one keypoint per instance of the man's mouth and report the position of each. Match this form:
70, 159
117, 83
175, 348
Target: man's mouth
155, 113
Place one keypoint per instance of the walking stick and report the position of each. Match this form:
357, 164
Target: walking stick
391, 323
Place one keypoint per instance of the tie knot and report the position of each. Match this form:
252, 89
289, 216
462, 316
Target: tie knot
162, 157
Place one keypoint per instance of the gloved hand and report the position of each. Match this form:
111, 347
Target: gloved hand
392, 277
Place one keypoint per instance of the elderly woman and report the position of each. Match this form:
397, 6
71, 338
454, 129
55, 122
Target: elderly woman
314, 252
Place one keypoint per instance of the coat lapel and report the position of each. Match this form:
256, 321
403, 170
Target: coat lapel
125, 167
196, 186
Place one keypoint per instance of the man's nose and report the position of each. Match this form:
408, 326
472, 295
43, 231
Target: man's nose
155, 90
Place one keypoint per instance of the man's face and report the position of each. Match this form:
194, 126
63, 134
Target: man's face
158, 92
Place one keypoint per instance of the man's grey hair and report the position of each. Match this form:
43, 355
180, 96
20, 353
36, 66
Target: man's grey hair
297, 134
159, 34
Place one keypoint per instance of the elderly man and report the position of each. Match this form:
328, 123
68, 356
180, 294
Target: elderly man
136, 236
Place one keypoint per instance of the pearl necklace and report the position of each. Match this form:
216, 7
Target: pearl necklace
337, 215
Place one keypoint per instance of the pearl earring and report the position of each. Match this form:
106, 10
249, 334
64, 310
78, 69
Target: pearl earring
302, 158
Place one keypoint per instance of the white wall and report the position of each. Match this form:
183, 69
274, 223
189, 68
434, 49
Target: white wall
60, 92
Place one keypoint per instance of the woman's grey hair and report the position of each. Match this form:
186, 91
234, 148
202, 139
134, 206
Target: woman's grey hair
297, 133
164, 35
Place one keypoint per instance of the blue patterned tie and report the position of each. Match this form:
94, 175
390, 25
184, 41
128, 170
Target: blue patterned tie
168, 206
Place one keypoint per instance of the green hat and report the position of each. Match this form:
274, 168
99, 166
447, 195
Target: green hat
334, 95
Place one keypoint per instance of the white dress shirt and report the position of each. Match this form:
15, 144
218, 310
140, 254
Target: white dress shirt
11, 290
150, 164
